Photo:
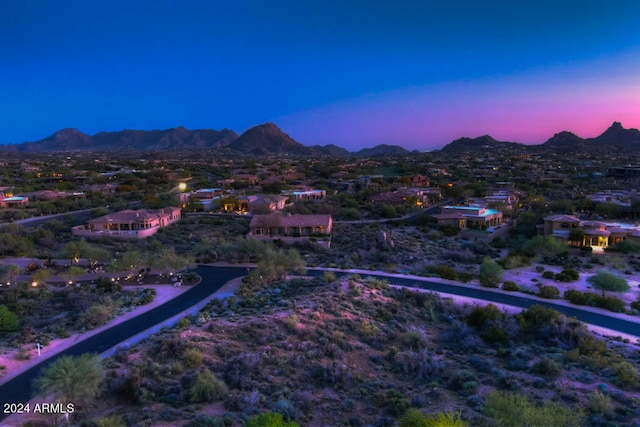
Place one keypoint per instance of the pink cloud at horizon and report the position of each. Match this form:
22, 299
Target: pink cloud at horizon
528, 109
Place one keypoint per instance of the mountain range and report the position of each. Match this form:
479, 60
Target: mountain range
269, 139
614, 139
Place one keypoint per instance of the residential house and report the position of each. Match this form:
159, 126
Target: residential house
14, 202
308, 194
469, 217
292, 228
595, 234
129, 224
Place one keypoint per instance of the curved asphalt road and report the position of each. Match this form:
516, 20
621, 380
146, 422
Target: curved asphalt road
19, 389
597, 319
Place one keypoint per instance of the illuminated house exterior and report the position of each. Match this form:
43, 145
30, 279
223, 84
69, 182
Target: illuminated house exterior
14, 202
292, 228
129, 224
469, 217
589, 233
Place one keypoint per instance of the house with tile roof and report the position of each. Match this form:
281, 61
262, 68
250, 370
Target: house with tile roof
129, 224
292, 228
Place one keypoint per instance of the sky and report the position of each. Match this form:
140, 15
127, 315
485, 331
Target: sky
352, 73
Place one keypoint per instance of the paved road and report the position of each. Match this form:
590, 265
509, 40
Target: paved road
590, 317
19, 389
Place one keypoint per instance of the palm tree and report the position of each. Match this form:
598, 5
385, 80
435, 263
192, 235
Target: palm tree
72, 379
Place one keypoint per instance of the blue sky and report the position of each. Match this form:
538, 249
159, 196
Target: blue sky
353, 73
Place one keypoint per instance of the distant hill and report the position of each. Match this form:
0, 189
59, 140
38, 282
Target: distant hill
382, 150
268, 139
170, 139
617, 135
567, 142
481, 143
332, 150
615, 138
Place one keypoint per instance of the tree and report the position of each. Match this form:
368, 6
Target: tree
606, 281
545, 247
167, 260
72, 379
576, 236
8, 320
490, 273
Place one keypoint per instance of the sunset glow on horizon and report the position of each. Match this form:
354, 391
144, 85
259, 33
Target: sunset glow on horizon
355, 74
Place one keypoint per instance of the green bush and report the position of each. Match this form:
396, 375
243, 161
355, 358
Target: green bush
516, 410
567, 275
8, 320
548, 275
550, 292
575, 297
207, 388
510, 286
480, 316
443, 271
414, 418
270, 419
193, 358
626, 375
111, 421
547, 368
490, 273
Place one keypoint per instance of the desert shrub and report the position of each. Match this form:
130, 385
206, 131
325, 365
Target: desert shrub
193, 358
490, 273
96, 315
636, 305
600, 403
329, 276
146, 296
8, 320
414, 418
287, 409
510, 286
550, 292
414, 339
547, 368
460, 338
480, 316
514, 261
172, 347
111, 421
567, 275
239, 370
418, 365
448, 230
516, 410
207, 388
539, 268
397, 404
465, 277
575, 297
463, 380
464, 256
548, 275
614, 304
269, 419
626, 247
443, 271
183, 323
626, 375
336, 375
